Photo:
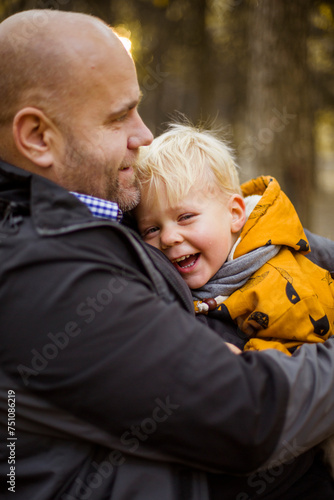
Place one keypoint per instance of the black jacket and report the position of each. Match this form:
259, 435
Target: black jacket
118, 392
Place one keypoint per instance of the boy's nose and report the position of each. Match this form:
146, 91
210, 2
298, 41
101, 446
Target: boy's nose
169, 238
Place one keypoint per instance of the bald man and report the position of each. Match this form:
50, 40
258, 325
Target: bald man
110, 388
90, 141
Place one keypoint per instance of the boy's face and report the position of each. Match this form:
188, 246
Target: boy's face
196, 235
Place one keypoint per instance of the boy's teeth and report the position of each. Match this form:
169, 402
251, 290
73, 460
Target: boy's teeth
181, 258
186, 260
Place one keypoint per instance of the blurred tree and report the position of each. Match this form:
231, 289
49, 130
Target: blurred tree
321, 52
193, 39
280, 114
171, 50
9, 7
264, 67
227, 22
151, 34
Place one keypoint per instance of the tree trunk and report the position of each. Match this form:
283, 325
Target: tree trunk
279, 140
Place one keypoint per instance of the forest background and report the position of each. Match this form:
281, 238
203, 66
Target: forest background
262, 70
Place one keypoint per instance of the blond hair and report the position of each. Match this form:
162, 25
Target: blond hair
185, 156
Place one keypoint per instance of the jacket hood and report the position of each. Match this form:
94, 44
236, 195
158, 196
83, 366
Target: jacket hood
274, 219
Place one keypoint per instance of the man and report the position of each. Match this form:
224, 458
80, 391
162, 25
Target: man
110, 388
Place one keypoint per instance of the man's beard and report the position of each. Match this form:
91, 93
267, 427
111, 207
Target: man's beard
126, 198
77, 176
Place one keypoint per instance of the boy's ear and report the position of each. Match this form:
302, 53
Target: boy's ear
238, 212
33, 132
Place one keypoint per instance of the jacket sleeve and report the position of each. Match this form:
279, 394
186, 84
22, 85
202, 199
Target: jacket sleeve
90, 339
309, 408
322, 251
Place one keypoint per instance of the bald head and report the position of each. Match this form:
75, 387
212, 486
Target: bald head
69, 95
43, 55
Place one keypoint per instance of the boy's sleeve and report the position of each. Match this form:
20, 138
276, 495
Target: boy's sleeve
287, 302
322, 251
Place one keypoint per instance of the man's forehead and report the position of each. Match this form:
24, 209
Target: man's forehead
106, 70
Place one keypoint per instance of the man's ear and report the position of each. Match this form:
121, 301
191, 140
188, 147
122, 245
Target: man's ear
238, 212
33, 132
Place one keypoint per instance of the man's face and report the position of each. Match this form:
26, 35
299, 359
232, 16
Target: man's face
103, 133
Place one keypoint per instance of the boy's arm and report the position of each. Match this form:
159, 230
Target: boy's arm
322, 251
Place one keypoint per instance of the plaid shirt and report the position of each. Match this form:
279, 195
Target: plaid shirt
100, 208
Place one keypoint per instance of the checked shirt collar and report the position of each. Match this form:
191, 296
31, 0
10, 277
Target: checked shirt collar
100, 208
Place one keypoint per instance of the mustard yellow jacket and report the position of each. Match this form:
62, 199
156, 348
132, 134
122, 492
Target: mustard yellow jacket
289, 300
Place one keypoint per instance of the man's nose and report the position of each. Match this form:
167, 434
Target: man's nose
141, 135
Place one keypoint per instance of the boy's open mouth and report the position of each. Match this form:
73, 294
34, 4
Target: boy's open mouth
186, 262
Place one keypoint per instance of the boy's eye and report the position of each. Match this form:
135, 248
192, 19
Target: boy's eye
185, 217
149, 232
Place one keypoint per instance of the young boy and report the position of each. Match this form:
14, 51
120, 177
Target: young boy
240, 250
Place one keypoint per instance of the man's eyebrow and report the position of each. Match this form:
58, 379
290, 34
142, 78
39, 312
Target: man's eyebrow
127, 107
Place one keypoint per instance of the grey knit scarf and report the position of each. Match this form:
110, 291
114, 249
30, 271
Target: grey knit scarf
234, 273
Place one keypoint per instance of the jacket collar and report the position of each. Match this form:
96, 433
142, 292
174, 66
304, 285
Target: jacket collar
52, 207
54, 210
